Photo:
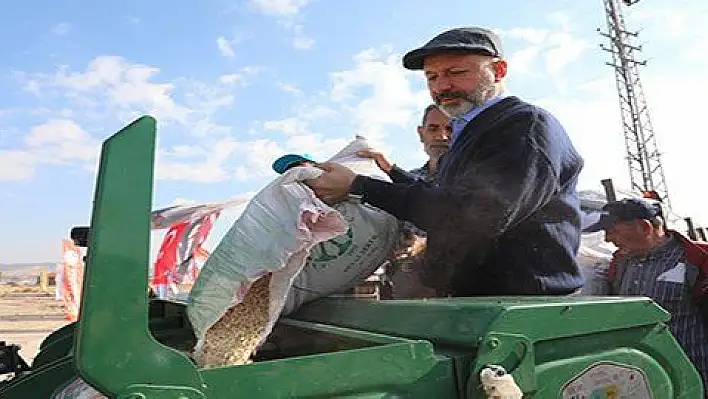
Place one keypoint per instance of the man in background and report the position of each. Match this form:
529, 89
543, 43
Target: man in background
654, 261
434, 134
405, 269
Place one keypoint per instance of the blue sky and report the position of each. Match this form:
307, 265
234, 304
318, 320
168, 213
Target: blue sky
235, 84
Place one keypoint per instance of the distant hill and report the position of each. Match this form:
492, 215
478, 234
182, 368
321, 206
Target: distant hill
25, 269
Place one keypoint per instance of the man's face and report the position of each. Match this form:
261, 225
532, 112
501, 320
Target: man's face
435, 134
630, 237
460, 82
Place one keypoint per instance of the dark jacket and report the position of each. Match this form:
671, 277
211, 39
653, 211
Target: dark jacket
503, 215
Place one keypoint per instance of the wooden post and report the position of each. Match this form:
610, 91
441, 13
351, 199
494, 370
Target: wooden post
43, 280
691, 230
609, 190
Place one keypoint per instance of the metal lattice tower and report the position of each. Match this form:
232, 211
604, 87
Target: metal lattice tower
645, 169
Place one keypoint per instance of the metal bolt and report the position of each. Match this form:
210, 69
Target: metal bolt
493, 343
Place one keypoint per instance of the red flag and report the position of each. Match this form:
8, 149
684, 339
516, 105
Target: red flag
181, 254
167, 256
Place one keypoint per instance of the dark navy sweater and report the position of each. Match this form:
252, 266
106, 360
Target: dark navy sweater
503, 215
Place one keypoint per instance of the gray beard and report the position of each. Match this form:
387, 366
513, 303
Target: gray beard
474, 100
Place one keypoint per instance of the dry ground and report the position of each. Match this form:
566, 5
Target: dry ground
27, 316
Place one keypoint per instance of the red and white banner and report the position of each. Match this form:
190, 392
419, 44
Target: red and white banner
182, 255
179, 260
72, 277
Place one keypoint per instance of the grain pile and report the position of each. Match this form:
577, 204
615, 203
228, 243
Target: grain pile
234, 338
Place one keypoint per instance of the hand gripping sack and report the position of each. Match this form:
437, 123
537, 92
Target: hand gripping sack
343, 262
241, 290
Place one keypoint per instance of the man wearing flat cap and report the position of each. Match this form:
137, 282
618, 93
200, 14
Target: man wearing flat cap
502, 215
662, 264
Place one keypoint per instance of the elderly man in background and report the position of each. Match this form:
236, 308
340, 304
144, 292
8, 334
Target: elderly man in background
434, 133
654, 261
405, 272
503, 215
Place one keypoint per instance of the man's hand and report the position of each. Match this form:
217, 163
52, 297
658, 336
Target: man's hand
333, 185
380, 159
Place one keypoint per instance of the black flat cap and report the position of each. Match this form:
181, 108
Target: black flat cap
624, 211
470, 40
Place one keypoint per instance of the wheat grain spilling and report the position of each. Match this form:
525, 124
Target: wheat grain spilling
234, 338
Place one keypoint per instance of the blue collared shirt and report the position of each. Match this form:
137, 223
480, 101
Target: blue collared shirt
458, 123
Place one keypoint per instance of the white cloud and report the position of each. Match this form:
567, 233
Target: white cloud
289, 126
300, 39
114, 91
286, 13
184, 151
240, 77
675, 21
231, 78
561, 18
393, 101
66, 139
225, 47
112, 87
16, 165
280, 7
531, 35
373, 98
589, 122
172, 165
58, 141
113, 82
523, 60
61, 29
288, 88
677, 126
563, 49
374, 95
223, 160
555, 48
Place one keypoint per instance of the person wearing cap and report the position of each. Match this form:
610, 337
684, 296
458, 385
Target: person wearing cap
503, 214
288, 161
654, 261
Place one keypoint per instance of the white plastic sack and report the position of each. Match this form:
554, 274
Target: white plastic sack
282, 220
343, 262
276, 232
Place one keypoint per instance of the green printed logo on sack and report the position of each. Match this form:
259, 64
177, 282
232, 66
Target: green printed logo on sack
328, 251
322, 255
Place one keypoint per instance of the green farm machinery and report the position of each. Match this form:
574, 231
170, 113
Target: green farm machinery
128, 345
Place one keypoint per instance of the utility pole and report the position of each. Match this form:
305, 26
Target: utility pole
644, 159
